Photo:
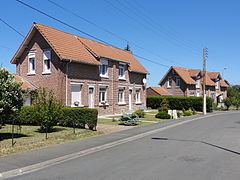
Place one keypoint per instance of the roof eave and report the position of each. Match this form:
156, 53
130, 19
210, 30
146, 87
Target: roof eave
79, 61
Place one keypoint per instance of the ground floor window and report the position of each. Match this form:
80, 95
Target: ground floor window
138, 97
102, 94
121, 98
76, 94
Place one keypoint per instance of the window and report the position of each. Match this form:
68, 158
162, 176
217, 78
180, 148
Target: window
169, 82
102, 94
121, 99
198, 82
103, 68
138, 97
46, 61
31, 63
191, 93
213, 95
76, 94
217, 85
178, 80
121, 71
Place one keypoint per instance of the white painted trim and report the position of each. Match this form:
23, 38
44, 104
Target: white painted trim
76, 83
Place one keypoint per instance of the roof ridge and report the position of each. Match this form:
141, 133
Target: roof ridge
35, 23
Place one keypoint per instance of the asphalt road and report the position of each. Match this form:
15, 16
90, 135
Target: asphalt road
205, 149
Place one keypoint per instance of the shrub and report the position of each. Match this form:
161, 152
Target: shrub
129, 119
162, 115
26, 116
188, 112
163, 108
180, 113
79, 117
140, 113
228, 102
179, 103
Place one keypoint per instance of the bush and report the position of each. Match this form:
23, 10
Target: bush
228, 102
140, 113
188, 112
180, 113
27, 116
129, 119
179, 103
162, 115
79, 117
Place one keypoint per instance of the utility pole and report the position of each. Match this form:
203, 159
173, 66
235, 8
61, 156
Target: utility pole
205, 51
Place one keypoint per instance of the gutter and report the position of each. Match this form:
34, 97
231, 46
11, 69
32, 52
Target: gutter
78, 61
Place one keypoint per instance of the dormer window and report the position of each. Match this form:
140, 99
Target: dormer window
217, 85
46, 61
103, 69
31, 63
169, 82
198, 82
121, 71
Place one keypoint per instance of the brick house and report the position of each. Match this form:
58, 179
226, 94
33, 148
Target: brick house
81, 72
157, 91
180, 81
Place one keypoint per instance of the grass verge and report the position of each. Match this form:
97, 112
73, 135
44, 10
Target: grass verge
29, 138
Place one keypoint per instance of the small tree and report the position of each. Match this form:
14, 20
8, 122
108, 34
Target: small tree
236, 102
11, 96
48, 110
227, 102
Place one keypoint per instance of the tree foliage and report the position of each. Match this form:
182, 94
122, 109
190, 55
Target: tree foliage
11, 96
48, 109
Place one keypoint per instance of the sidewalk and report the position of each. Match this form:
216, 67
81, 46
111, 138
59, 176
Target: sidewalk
28, 158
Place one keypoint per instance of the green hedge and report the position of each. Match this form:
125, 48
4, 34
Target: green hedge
162, 115
79, 117
180, 103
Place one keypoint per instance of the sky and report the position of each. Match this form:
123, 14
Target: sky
164, 32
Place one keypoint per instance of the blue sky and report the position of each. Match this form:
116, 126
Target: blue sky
169, 32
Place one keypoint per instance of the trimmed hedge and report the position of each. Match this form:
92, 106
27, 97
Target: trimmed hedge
79, 117
180, 103
140, 113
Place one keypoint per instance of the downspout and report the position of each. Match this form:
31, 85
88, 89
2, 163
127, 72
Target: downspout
113, 88
67, 82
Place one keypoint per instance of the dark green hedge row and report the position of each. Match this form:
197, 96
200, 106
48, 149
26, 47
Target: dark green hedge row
180, 103
79, 117
72, 117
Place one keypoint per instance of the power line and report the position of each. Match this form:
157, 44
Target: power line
60, 21
11, 27
110, 32
152, 26
169, 30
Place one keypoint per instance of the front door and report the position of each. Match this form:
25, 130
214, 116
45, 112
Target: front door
130, 99
90, 98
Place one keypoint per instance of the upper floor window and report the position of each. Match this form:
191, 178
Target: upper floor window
198, 82
121, 98
178, 81
46, 61
217, 85
103, 68
121, 71
138, 97
31, 63
169, 82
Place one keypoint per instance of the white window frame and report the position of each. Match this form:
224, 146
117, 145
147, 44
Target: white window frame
191, 94
46, 57
217, 85
198, 82
101, 101
80, 99
121, 71
104, 66
31, 57
121, 101
178, 82
138, 96
168, 82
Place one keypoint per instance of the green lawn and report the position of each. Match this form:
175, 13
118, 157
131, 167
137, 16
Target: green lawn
29, 138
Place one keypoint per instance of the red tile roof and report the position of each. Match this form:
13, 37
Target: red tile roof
188, 74
223, 83
69, 46
161, 91
25, 84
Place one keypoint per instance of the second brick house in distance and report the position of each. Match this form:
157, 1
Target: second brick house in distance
180, 81
81, 72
